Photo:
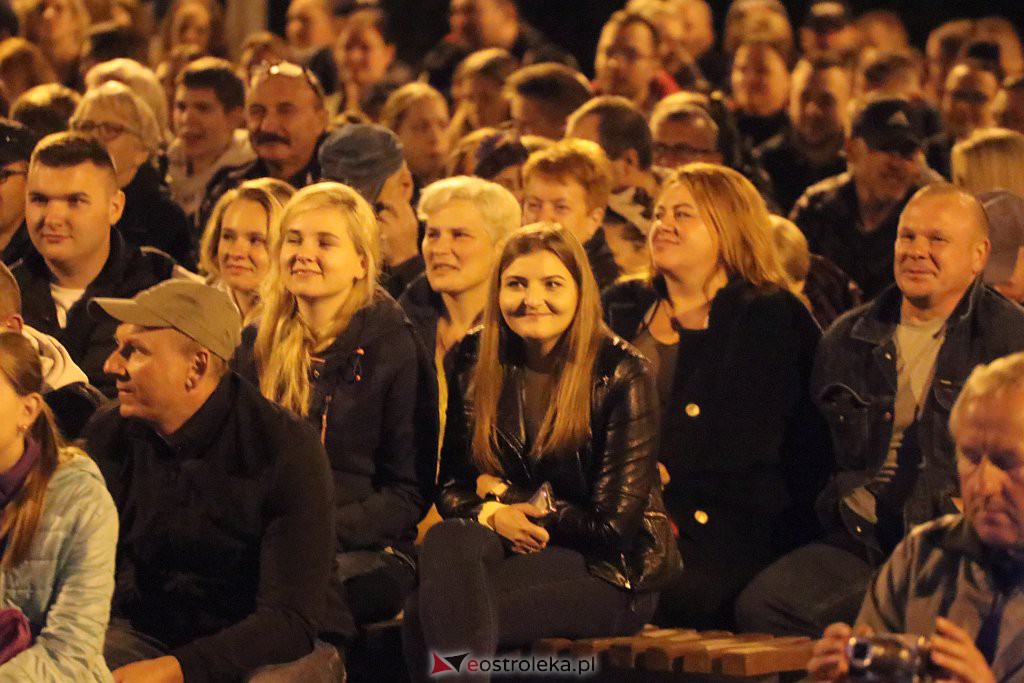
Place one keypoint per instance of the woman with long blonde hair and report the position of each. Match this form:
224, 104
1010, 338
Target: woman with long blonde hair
732, 346
548, 480
234, 252
336, 349
59, 531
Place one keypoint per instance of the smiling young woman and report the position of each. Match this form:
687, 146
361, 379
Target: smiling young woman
543, 394
336, 349
235, 249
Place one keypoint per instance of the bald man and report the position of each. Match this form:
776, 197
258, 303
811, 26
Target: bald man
886, 376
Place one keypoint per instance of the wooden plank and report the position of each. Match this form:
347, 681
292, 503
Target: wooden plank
702, 660
767, 659
668, 656
622, 655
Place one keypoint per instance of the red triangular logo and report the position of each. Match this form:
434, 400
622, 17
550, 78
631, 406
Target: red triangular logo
440, 665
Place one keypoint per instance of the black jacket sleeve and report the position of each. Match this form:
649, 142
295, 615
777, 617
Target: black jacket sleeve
625, 468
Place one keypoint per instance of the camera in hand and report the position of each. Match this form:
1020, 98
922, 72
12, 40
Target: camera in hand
890, 658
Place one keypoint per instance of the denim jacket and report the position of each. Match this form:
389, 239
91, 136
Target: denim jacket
854, 384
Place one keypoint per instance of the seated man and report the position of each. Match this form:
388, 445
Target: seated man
622, 132
542, 96
885, 377
958, 579
225, 500
851, 218
569, 183
73, 200
208, 116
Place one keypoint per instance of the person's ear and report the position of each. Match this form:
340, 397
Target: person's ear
979, 255
596, 218
14, 322
199, 368
31, 406
116, 207
236, 117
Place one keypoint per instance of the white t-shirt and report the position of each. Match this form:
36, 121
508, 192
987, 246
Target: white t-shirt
64, 298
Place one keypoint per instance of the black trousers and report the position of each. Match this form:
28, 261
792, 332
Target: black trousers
475, 596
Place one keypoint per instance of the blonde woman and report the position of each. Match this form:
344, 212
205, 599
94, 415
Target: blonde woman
234, 252
990, 165
334, 348
543, 395
732, 348
59, 531
990, 159
125, 125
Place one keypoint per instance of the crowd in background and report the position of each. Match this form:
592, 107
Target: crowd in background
480, 342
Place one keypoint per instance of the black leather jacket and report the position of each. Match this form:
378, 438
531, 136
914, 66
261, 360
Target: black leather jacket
609, 504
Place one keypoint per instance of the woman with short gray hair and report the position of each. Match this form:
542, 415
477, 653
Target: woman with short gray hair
126, 126
465, 218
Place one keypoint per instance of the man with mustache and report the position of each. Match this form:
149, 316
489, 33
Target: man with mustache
851, 218
885, 377
73, 199
958, 578
287, 122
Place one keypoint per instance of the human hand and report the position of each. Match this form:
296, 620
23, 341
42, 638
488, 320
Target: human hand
954, 650
486, 483
159, 670
828, 659
513, 522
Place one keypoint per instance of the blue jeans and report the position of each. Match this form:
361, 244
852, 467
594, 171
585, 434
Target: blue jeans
808, 589
476, 597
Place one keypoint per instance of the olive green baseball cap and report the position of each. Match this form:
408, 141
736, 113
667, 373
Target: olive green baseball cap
202, 313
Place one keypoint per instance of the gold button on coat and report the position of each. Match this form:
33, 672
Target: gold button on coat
701, 517
692, 409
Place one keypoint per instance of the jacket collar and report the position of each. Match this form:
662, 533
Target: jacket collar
203, 427
883, 314
111, 274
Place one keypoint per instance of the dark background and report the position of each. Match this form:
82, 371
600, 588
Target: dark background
575, 24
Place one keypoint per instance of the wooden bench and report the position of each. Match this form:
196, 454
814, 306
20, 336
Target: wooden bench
686, 654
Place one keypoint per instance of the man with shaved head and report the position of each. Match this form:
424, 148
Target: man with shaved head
886, 376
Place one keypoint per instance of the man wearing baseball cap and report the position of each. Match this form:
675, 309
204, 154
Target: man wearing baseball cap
225, 503
16, 143
851, 218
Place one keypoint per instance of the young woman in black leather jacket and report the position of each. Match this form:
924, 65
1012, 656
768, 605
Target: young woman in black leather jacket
543, 394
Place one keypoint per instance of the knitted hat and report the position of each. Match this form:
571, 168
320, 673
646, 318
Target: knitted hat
362, 156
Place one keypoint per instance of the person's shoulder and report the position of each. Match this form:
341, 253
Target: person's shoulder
146, 266
619, 361
823, 193
1005, 315
840, 329
417, 296
278, 425
77, 478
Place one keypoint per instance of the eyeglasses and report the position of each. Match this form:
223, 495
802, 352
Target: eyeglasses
104, 130
288, 70
6, 173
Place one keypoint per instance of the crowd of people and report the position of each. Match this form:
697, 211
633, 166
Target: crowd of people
297, 337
